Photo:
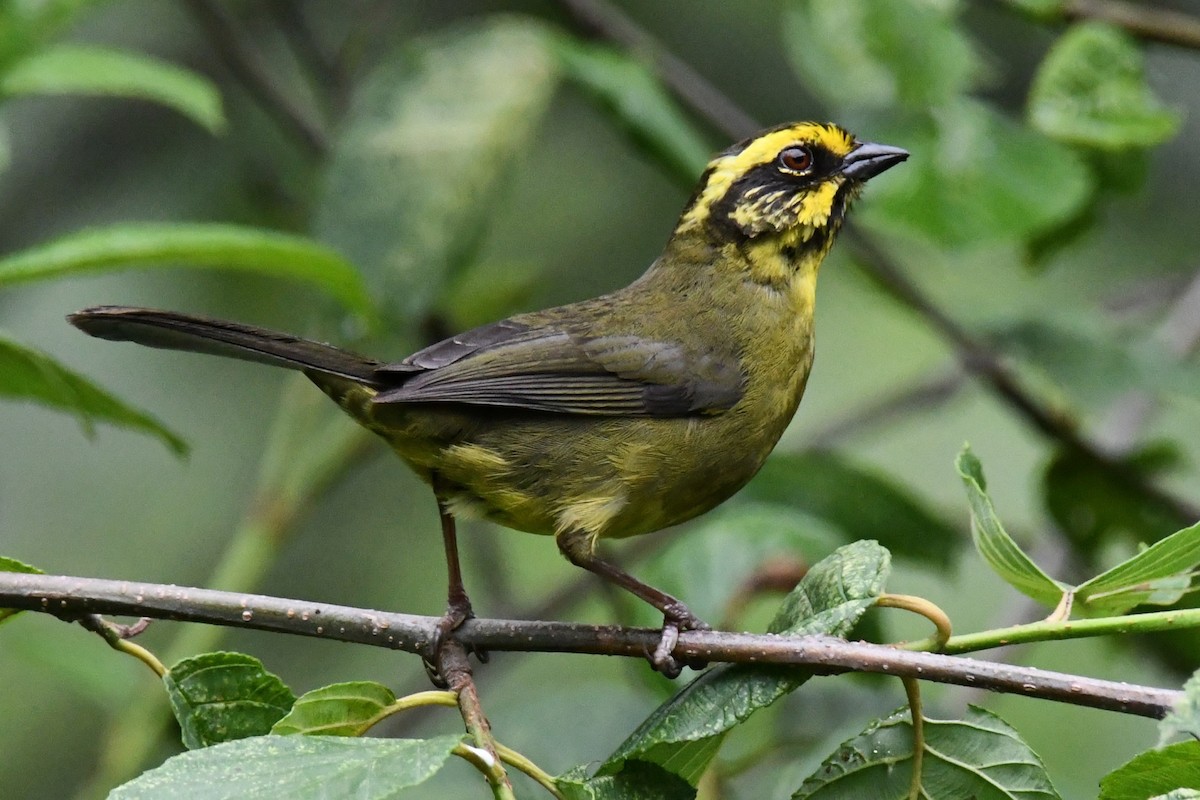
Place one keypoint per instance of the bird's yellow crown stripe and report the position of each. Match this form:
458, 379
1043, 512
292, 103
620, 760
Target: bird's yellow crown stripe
725, 170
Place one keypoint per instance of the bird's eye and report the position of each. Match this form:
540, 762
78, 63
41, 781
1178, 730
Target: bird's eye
796, 159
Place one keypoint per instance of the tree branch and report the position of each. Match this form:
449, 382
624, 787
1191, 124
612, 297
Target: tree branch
1141, 19
251, 71
70, 598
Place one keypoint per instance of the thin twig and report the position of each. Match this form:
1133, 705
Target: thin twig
248, 66
71, 597
456, 671
116, 639
912, 688
925, 608
926, 394
1143, 20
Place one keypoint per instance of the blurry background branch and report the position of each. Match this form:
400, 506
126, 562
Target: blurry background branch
1141, 19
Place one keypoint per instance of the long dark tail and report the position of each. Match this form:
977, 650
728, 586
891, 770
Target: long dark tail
172, 331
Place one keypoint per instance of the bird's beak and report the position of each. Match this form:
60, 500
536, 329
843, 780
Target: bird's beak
869, 159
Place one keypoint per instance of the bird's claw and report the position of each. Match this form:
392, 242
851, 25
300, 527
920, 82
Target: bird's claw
456, 614
676, 619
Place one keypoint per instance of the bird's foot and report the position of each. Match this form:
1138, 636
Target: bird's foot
676, 618
458, 611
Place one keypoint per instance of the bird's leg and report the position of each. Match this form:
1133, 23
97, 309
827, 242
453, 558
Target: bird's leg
458, 605
579, 548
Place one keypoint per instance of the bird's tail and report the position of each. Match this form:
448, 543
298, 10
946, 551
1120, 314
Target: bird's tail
172, 331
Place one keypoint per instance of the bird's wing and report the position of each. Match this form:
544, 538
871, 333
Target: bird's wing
549, 368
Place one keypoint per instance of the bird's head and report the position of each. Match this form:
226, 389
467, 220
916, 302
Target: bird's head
794, 181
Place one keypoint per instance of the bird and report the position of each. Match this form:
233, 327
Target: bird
613, 416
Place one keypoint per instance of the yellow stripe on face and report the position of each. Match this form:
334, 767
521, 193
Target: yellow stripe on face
763, 150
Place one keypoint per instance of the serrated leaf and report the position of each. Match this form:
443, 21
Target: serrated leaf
683, 734
978, 756
879, 53
1184, 718
1091, 90
1092, 504
26, 374
424, 153
998, 549
218, 246
638, 781
1141, 578
219, 697
1154, 772
85, 69
858, 501
298, 767
340, 709
981, 178
631, 93
13, 565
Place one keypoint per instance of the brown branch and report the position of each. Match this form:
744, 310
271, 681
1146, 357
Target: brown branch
1143, 20
70, 598
248, 66
607, 22
928, 393
456, 671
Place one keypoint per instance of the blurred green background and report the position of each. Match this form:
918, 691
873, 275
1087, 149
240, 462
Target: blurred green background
582, 210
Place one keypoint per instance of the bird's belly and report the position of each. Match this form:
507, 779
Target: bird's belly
609, 477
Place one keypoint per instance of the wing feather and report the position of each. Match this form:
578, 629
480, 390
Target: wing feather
548, 368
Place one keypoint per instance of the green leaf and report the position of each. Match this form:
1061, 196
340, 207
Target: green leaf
1091, 90
509, 286
978, 756
995, 545
631, 93
425, 153
26, 374
218, 697
12, 565
1154, 772
27, 25
725, 549
879, 53
341, 709
1140, 579
638, 781
981, 178
1184, 718
862, 503
300, 767
683, 734
84, 69
1092, 504
153, 244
